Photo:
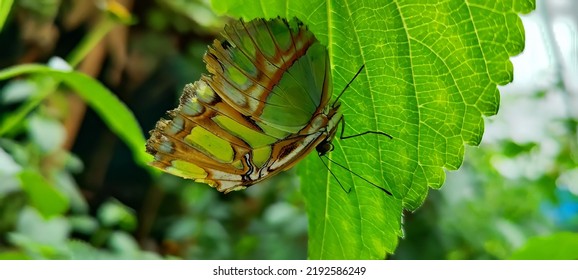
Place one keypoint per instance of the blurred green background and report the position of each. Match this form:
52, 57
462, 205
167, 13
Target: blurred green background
515, 195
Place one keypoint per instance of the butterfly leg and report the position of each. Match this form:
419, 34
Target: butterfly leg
332, 174
342, 120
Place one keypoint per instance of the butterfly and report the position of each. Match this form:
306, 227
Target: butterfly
262, 109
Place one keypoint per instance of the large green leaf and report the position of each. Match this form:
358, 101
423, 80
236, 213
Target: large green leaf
432, 70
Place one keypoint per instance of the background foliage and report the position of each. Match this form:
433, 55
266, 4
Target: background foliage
71, 190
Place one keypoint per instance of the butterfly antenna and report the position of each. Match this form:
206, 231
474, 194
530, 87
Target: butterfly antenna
348, 84
332, 174
357, 175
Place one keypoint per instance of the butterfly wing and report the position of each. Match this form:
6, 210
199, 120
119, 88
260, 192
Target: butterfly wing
259, 112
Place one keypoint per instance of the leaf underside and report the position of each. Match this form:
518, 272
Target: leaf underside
432, 70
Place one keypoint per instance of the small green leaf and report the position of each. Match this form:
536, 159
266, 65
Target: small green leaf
5, 6
67, 185
559, 246
49, 134
123, 243
42, 195
113, 213
34, 231
16, 91
113, 111
83, 224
